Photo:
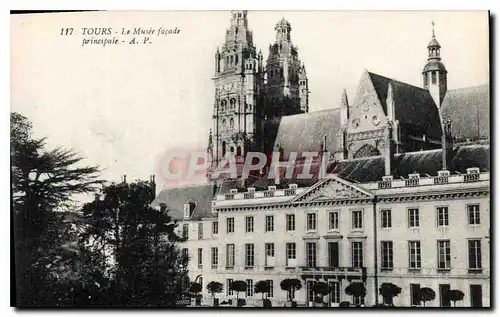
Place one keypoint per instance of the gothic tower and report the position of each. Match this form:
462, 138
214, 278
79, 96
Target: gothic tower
434, 73
287, 84
238, 82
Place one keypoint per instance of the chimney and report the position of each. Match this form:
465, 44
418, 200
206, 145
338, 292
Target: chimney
447, 144
152, 185
124, 179
163, 207
388, 148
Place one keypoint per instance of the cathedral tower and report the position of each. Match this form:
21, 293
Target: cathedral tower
238, 81
434, 73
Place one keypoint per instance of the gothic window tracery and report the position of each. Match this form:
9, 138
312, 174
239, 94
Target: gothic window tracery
231, 124
366, 150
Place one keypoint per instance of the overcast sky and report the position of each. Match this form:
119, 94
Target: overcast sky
123, 106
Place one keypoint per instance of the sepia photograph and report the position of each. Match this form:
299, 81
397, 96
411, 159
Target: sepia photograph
245, 159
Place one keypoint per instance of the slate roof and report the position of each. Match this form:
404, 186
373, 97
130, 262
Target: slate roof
305, 132
414, 106
469, 111
176, 197
434, 65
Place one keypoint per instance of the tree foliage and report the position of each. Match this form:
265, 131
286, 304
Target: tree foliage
238, 286
356, 289
290, 285
215, 287
321, 289
455, 295
388, 292
262, 287
426, 294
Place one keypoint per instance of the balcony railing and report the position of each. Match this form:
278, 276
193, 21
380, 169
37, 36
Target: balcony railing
334, 270
474, 177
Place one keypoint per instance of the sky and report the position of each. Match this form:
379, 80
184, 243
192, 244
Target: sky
122, 107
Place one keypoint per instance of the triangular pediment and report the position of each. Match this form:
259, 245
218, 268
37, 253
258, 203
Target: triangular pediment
333, 188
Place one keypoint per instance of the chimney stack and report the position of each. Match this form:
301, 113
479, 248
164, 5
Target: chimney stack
124, 179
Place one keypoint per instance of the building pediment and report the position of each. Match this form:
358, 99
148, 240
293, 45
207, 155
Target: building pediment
333, 188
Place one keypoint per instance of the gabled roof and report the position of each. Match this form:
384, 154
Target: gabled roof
305, 132
413, 105
200, 196
469, 111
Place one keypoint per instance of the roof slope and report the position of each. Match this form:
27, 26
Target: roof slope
469, 110
413, 105
176, 197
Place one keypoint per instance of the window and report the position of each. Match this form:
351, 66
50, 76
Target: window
426, 79
230, 255
415, 294
269, 254
386, 218
415, 258
185, 253
269, 223
334, 292
291, 254
249, 224
200, 257
444, 257
387, 254
433, 77
230, 225
357, 254
185, 231
311, 254
229, 290
231, 121
271, 288
200, 230
215, 258
474, 247
215, 227
333, 223
358, 300
311, 221
357, 219
201, 281
249, 292
413, 218
310, 291
290, 222
473, 214
442, 216
249, 255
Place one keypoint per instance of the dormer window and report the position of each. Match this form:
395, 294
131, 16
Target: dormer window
187, 210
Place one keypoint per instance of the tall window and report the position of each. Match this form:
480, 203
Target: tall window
249, 224
333, 220
310, 291
249, 255
357, 254
433, 77
473, 214
229, 289
290, 222
200, 230
269, 223
474, 247
291, 254
386, 218
271, 288
311, 254
215, 258
334, 292
230, 255
311, 221
442, 216
357, 219
185, 231
444, 257
415, 294
200, 257
415, 258
215, 227
269, 254
230, 225
413, 218
387, 254
249, 292
185, 253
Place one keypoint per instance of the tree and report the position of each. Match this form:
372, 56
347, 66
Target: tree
322, 289
427, 294
290, 286
388, 292
238, 286
455, 295
215, 288
262, 287
356, 289
148, 267
44, 182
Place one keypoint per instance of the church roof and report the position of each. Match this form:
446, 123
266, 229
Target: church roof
305, 132
433, 43
413, 105
468, 108
434, 64
200, 196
